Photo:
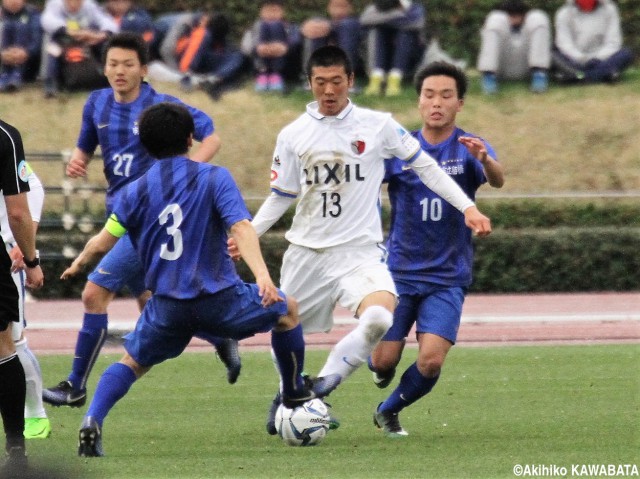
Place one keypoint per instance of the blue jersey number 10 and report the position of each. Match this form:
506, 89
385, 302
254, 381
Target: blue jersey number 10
431, 210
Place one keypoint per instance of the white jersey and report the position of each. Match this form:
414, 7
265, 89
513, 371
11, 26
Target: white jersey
35, 197
335, 166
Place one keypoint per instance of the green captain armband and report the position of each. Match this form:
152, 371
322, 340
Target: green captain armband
114, 227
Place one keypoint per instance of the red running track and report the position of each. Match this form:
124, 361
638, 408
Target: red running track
488, 320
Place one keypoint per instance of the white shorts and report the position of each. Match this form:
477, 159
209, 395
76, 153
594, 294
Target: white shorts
321, 279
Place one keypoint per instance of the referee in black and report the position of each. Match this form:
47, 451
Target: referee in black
14, 174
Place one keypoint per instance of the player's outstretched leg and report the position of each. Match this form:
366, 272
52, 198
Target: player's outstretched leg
288, 349
114, 383
411, 388
72, 391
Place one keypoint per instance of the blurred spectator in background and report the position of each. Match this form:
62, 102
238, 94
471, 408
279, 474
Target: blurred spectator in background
395, 43
341, 28
20, 44
588, 42
196, 51
131, 18
75, 31
274, 45
515, 45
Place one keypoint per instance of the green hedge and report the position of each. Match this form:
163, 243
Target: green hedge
533, 213
508, 261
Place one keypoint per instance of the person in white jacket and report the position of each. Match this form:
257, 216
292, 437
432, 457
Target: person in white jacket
588, 42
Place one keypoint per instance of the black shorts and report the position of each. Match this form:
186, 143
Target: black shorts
8, 293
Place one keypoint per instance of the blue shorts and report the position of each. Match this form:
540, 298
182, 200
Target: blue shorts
435, 309
120, 267
167, 325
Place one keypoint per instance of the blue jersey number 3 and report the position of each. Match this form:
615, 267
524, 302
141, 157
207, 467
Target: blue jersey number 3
172, 213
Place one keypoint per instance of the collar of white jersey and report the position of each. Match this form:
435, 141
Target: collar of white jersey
312, 109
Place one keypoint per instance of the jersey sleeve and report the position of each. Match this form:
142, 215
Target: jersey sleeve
203, 124
35, 197
14, 171
285, 170
88, 137
398, 142
228, 199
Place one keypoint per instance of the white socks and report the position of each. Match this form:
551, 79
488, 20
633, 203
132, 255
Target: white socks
33, 406
354, 349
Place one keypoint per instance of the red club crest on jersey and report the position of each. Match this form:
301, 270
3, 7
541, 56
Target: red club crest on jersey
357, 146
274, 175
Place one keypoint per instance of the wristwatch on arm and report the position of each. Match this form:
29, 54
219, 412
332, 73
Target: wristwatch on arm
34, 262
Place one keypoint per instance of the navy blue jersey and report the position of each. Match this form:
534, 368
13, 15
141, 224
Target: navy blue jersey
428, 239
114, 126
177, 216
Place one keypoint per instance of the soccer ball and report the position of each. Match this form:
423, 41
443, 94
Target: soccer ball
305, 425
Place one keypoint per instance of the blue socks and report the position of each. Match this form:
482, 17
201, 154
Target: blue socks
412, 387
114, 383
288, 349
90, 340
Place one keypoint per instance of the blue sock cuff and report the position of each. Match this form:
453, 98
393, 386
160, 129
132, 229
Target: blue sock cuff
288, 340
95, 321
122, 371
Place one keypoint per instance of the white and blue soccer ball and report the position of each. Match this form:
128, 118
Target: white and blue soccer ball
305, 425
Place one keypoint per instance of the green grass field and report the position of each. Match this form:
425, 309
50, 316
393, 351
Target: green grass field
494, 408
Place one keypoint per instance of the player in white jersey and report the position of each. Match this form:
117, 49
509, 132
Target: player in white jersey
36, 423
332, 159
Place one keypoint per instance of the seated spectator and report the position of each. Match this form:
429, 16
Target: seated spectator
395, 43
75, 31
20, 44
588, 42
272, 43
342, 28
131, 18
197, 52
515, 45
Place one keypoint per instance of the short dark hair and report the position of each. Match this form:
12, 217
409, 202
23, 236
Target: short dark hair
329, 56
514, 7
386, 5
442, 68
127, 41
165, 129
